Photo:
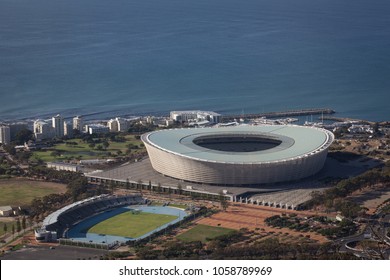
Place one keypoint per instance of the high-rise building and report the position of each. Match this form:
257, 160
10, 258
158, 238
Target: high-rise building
123, 124
78, 123
42, 130
5, 135
112, 125
68, 129
58, 125
118, 124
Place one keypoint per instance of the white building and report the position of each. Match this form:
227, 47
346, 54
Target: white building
361, 129
5, 134
42, 130
118, 124
62, 166
78, 123
123, 124
237, 156
112, 125
68, 129
195, 116
6, 211
97, 128
58, 125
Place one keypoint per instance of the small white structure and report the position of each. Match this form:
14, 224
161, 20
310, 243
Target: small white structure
5, 211
62, 166
195, 116
42, 235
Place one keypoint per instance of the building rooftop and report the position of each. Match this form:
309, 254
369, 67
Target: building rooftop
295, 142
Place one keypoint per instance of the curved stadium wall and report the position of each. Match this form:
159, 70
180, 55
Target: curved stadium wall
300, 152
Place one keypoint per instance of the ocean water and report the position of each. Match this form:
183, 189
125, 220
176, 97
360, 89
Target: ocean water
128, 57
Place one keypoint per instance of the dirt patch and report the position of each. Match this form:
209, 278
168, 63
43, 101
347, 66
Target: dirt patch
252, 217
371, 198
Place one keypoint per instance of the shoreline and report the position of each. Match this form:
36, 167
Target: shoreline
328, 114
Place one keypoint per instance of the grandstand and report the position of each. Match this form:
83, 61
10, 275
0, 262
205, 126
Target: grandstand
59, 222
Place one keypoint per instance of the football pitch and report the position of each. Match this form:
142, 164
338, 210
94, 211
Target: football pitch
131, 224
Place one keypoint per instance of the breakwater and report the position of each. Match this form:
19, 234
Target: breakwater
290, 113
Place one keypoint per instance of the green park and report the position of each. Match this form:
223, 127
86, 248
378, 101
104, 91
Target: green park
95, 148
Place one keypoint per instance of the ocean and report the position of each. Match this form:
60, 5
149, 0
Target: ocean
102, 58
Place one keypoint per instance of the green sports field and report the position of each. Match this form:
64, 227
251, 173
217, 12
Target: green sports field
203, 232
131, 225
18, 192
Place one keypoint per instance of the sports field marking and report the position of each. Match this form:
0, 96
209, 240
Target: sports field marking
131, 224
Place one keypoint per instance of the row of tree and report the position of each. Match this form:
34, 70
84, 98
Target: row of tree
334, 198
16, 227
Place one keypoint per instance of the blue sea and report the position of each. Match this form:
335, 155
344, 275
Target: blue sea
103, 58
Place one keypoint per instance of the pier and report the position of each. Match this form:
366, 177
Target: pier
303, 112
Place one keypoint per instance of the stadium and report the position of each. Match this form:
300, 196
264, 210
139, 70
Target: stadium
241, 155
106, 221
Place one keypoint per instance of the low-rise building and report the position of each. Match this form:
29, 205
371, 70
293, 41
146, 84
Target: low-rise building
6, 211
63, 166
195, 116
97, 129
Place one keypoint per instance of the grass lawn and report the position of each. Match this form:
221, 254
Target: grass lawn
9, 227
83, 151
181, 206
131, 225
16, 192
203, 232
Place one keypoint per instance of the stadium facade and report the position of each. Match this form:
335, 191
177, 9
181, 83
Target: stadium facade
241, 155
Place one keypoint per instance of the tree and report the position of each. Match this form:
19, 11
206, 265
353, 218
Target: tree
106, 144
223, 201
375, 127
55, 153
92, 145
10, 149
13, 229
23, 136
18, 225
77, 186
24, 223
5, 228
